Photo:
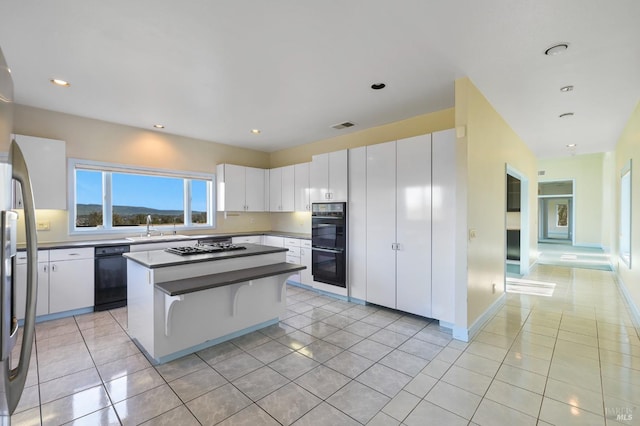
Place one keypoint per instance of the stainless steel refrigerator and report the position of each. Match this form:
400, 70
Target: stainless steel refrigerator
12, 379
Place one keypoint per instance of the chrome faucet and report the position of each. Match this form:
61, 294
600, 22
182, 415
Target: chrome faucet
148, 223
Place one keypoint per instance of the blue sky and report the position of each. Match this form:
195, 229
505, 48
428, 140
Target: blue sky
139, 190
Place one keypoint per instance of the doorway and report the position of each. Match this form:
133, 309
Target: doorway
556, 212
517, 241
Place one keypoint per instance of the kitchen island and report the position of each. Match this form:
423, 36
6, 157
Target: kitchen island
181, 304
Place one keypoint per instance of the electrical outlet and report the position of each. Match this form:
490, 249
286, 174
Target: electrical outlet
43, 225
472, 234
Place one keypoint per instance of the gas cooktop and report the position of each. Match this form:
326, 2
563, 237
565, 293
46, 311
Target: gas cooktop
203, 249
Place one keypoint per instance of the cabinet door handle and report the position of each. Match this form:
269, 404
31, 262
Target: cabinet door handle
45, 268
53, 268
74, 254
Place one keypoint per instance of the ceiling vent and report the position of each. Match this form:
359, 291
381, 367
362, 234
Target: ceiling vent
344, 125
541, 172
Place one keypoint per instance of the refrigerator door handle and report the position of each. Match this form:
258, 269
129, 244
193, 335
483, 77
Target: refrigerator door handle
18, 375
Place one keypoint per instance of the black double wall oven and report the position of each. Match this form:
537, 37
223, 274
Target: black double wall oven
329, 243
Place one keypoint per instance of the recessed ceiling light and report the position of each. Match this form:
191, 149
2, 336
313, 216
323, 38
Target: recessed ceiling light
378, 86
256, 131
566, 88
571, 145
59, 82
566, 114
556, 49
159, 126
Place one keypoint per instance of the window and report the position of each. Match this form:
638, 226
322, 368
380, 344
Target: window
111, 198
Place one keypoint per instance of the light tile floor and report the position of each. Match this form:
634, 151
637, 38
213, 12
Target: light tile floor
573, 358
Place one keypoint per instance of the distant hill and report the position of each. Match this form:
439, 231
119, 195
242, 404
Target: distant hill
85, 209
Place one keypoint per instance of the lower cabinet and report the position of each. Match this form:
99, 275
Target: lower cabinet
299, 252
42, 303
71, 279
273, 241
247, 239
65, 281
306, 277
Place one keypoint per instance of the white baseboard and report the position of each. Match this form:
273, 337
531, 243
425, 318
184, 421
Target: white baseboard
635, 312
589, 245
466, 334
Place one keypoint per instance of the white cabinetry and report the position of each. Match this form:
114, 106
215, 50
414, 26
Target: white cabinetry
240, 188
328, 177
398, 225
271, 240
444, 226
47, 163
281, 189
247, 239
305, 259
293, 255
357, 232
302, 200
71, 279
299, 252
42, 303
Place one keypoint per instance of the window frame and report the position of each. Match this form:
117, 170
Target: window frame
625, 242
107, 206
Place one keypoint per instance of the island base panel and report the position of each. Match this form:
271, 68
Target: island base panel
201, 318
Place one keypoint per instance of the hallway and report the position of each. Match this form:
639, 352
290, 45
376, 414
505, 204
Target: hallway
579, 348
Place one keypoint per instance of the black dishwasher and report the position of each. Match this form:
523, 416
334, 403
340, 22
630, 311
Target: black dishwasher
110, 278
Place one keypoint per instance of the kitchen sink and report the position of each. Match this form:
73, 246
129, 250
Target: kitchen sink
168, 237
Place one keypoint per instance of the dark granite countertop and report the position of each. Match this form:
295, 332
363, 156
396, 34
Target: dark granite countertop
162, 259
123, 241
191, 285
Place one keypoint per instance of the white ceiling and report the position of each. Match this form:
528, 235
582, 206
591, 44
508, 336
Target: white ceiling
214, 69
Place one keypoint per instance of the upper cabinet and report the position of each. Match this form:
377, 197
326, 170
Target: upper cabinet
281, 189
47, 163
302, 201
241, 188
328, 177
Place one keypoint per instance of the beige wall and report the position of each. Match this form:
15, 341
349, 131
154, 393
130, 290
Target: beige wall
490, 145
420, 125
628, 148
102, 141
90, 139
589, 176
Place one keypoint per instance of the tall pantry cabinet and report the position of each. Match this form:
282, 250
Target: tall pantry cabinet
398, 225
402, 225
